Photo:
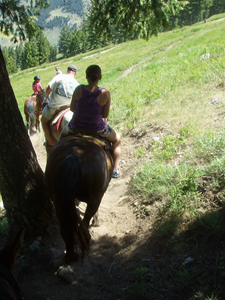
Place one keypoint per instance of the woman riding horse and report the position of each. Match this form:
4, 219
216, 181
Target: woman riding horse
32, 111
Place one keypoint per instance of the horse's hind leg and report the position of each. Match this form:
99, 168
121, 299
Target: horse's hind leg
28, 124
92, 211
67, 216
71, 254
28, 128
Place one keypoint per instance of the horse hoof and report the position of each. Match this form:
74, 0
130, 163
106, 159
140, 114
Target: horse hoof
66, 273
95, 223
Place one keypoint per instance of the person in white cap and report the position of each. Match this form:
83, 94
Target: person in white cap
61, 88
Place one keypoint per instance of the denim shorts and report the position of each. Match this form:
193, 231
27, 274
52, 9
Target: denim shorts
48, 112
105, 131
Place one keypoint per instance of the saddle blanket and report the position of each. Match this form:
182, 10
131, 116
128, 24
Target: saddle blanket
58, 118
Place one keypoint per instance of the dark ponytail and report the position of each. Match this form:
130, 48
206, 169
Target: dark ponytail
94, 73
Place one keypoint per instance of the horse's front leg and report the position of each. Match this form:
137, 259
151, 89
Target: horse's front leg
95, 220
37, 125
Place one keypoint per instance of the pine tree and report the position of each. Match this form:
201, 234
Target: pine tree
145, 17
30, 55
43, 46
65, 41
52, 53
19, 54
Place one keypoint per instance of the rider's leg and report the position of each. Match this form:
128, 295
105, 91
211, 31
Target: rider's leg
114, 137
45, 125
64, 132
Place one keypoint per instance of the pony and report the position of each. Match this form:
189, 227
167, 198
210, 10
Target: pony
79, 168
9, 287
32, 111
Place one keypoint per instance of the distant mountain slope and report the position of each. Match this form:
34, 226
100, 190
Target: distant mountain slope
68, 12
60, 13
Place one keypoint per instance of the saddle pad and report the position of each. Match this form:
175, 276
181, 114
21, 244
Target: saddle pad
55, 124
103, 142
59, 116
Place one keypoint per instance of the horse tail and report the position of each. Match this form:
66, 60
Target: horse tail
31, 112
66, 180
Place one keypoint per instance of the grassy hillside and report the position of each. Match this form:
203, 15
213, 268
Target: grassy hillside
174, 85
167, 74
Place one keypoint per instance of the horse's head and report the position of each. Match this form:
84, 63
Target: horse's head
41, 100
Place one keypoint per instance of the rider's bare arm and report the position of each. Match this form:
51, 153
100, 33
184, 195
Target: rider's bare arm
76, 95
106, 101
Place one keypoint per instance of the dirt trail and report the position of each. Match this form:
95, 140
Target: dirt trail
107, 272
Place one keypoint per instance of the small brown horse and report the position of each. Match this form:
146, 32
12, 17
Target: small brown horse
32, 111
9, 288
78, 168
31, 114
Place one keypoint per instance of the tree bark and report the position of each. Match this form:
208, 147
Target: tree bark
22, 184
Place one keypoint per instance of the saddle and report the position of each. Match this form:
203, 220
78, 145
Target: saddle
55, 122
93, 136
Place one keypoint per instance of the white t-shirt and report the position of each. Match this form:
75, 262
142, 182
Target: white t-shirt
62, 86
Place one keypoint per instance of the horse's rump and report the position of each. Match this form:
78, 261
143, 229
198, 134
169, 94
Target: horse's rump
80, 156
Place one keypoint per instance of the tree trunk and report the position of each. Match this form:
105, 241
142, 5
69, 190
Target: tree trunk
22, 185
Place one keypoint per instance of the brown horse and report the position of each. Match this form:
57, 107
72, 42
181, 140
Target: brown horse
32, 111
9, 288
31, 114
78, 168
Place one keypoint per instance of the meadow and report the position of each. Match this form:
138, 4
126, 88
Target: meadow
174, 81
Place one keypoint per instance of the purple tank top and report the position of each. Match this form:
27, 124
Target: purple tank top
88, 113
